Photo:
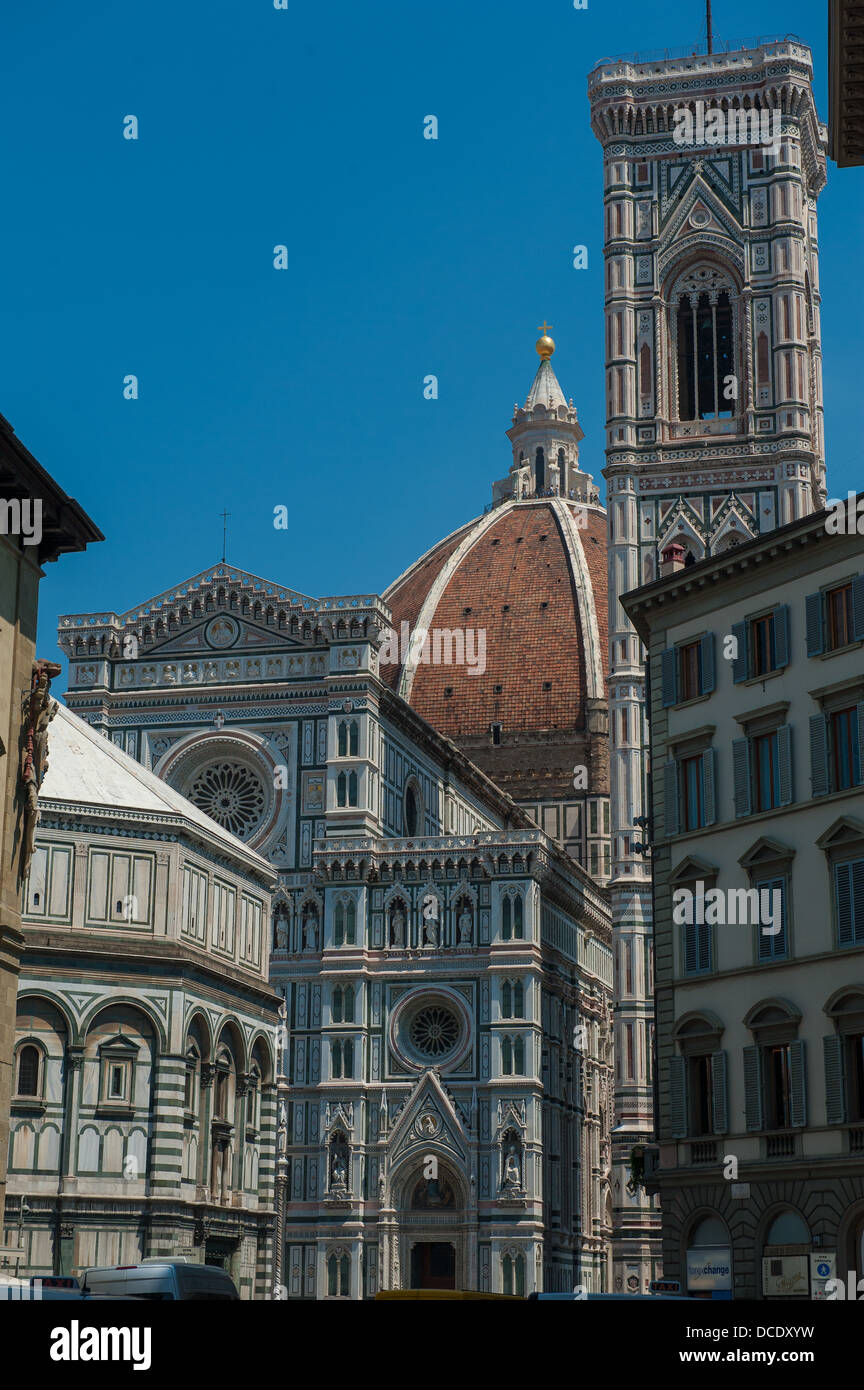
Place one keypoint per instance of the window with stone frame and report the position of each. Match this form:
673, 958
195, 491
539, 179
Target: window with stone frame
775, 1069
762, 763
513, 999
28, 1070
761, 644
835, 617
512, 917
339, 1275
703, 308
843, 1055
837, 740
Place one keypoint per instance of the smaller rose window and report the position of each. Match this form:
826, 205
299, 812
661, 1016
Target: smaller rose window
434, 1031
230, 794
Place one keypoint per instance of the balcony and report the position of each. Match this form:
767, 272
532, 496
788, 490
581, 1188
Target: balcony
704, 1151
856, 1140
780, 1146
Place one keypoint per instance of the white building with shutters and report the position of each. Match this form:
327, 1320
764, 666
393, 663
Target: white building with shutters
757, 754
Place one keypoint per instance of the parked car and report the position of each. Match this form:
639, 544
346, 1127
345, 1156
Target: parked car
161, 1281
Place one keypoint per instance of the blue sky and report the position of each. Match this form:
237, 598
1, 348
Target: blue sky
406, 257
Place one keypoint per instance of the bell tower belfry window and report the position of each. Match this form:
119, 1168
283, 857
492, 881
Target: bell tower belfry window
703, 333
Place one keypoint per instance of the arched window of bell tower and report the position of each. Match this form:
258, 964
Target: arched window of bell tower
704, 329
539, 469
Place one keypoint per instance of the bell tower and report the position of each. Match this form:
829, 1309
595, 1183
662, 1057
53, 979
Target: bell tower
713, 163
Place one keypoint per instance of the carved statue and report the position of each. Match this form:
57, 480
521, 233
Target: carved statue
338, 1174
397, 928
512, 1168
282, 933
310, 931
431, 931
34, 763
466, 927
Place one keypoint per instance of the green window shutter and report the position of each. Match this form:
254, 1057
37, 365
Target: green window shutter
669, 676
691, 948
835, 1080
815, 625
843, 904
781, 636
753, 1088
741, 775
703, 944
798, 1080
708, 672
858, 608
678, 1097
819, 778
772, 947
670, 795
719, 1093
708, 785
861, 742
784, 758
741, 663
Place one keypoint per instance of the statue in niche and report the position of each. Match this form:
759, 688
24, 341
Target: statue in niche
397, 927
310, 929
282, 933
338, 1166
430, 931
512, 1169
466, 927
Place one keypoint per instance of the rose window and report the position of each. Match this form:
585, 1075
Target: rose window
230, 794
434, 1031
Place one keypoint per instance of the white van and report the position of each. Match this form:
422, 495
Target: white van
161, 1281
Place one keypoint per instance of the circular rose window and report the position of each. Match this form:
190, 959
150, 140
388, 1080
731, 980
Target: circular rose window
434, 1031
232, 795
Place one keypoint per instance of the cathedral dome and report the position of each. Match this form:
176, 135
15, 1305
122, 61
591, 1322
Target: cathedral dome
499, 632
531, 576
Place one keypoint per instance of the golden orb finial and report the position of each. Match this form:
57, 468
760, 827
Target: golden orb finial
545, 345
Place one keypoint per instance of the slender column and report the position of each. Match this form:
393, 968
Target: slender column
279, 1289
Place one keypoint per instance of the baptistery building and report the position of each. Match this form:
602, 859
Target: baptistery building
143, 1110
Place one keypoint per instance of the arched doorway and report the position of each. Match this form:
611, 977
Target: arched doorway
786, 1257
432, 1229
708, 1258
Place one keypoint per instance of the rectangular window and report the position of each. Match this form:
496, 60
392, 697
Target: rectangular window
778, 1086
855, 1076
766, 772
700, 1090
844, 750
762, 651
690, 671
838, 611
628, 1031
849, 902
692, 794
